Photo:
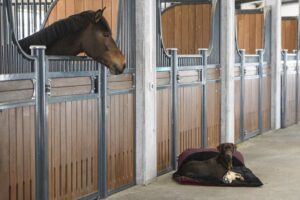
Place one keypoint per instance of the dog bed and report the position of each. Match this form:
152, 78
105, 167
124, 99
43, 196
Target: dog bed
203, 154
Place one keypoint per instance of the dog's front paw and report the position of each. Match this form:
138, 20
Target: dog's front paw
227, 178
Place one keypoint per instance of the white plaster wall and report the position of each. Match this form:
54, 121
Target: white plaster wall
290, 10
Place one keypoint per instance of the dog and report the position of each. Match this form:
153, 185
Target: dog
219, 167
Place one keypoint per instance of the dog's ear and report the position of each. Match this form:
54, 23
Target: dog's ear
99, 15
234, 147
220, 147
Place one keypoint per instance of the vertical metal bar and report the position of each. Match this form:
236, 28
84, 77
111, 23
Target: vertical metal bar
34, 16
16, 19
203, 53
41, 118
297, 88
242, 95
260, 52
23, 19
283, 88
28, 18
102, 141
173, 53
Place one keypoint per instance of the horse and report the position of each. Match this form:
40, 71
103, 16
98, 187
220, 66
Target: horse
86, 32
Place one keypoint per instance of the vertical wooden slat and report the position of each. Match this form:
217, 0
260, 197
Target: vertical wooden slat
13, 153
20, 154
69, 149
26, 150
4, 155
178, 27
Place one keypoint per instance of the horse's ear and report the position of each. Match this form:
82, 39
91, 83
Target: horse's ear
99, 15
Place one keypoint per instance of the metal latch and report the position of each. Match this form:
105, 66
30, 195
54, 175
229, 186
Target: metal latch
48, 88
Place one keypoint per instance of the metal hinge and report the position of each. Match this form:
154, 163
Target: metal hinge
48, 88
34, 89
94, 86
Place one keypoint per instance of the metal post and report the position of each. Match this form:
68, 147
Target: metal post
203, 53
260, 53
283, 88
242, 94
174, 65
41, 119
102, 140
297, 87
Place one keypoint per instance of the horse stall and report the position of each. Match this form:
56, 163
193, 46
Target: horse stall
290, 72
188, 79
66, 124
253, 73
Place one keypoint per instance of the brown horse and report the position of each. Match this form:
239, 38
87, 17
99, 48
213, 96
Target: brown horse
86, 32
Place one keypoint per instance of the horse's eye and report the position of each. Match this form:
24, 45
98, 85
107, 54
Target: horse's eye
106, 34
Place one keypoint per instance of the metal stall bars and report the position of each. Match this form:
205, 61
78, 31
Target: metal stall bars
188, 98
254, 113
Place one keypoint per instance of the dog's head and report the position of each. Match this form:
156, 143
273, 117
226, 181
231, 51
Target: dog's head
226, 150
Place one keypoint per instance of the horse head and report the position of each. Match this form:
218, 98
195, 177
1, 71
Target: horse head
98, 44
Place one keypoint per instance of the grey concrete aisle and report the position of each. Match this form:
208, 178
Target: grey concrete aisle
273, 157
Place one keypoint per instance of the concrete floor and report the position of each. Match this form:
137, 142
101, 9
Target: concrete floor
273, 157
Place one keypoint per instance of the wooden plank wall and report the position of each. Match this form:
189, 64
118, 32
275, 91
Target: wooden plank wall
291, 99
164, 122
187, 27
237, 109
189, 117
65, 8
120, 133
73, 149
267, 102
213, 108
251, 104
251, 101
120, 152
250, 32
17, 153
289, 30
299, 100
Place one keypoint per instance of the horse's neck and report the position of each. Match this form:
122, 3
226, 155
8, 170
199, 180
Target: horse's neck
67, 46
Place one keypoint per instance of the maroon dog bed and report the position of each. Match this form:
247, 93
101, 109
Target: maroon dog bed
204, 154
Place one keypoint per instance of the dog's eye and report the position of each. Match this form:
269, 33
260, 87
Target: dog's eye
106, 34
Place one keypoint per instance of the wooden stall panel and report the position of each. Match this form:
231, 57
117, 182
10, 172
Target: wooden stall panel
73, 154
213, 114
120, 141
187, 27
266, 103
120, 82
16, 90
290, 100
189, 117
65, 8
250, 31
251, 105
237, 109
289, 30
17, 153
164, 121
299, 100
71, 86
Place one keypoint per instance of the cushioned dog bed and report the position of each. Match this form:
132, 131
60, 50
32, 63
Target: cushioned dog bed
203, 154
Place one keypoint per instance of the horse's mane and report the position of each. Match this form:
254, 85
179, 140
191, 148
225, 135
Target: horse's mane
58, 30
